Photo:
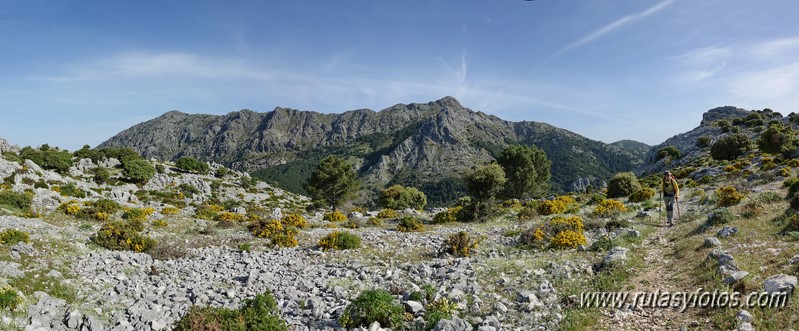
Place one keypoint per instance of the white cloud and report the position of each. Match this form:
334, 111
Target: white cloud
776, 82
704, 62
149, 64
613, 27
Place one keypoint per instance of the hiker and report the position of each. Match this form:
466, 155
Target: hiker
671, 194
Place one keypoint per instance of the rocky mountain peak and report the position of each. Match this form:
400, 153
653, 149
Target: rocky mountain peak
725, 112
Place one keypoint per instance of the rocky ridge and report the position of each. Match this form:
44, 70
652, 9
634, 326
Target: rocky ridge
408, 144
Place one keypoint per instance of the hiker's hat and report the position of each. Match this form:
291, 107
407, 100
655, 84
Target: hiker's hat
667, 172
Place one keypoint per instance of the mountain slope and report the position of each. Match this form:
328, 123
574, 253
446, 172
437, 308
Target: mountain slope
426, 145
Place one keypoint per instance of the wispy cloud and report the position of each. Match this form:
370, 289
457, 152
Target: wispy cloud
613, 27
704, 62
772, 83
776, 49
150, 64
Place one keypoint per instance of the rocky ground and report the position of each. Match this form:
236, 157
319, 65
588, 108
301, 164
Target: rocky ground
67, 282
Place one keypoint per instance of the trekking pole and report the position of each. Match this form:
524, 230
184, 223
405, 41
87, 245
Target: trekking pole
660, 210
677, 201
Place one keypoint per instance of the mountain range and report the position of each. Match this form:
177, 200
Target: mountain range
426, 145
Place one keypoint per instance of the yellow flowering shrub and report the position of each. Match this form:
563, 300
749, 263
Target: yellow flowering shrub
568, 239
13, 236
461, 244
609, 207
275, 231
335, 216
122, 236
266, 229
102, 216
295, 220
227, 216
728, 196
388, 213
560, 223
72, 209
558, 232
170, 211
556, 206
215, 208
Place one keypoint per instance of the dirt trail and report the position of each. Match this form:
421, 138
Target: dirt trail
658, 274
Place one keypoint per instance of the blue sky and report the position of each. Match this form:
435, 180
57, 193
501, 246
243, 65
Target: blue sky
78, 72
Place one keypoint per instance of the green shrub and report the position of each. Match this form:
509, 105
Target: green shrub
373, 306
461, 244
400, 197
728, 196
13, 236
123, 236
720, 215
52, 159
71, 190
340, 240
13, 157
644, 194
374, 221
529, 211
14, 200
138, 170
100, 175
135, 214
622, 185
672, 152
703, 141
752, 209
9, 298
106, 206
435, 311
258, 314
410, 224
730, 147
190, 164
448, 216
769, 197
725, 125
188, 190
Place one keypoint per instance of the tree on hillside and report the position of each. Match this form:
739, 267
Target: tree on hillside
777, 139
730, 147
190, 164
527, 170
484, 184
622, 185
400, 197
138, 170
332, 182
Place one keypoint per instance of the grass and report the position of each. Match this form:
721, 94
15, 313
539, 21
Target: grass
748, 247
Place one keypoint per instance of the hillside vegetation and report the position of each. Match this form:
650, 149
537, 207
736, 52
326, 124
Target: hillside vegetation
116, 241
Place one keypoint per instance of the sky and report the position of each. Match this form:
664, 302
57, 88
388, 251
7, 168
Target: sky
78, 72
